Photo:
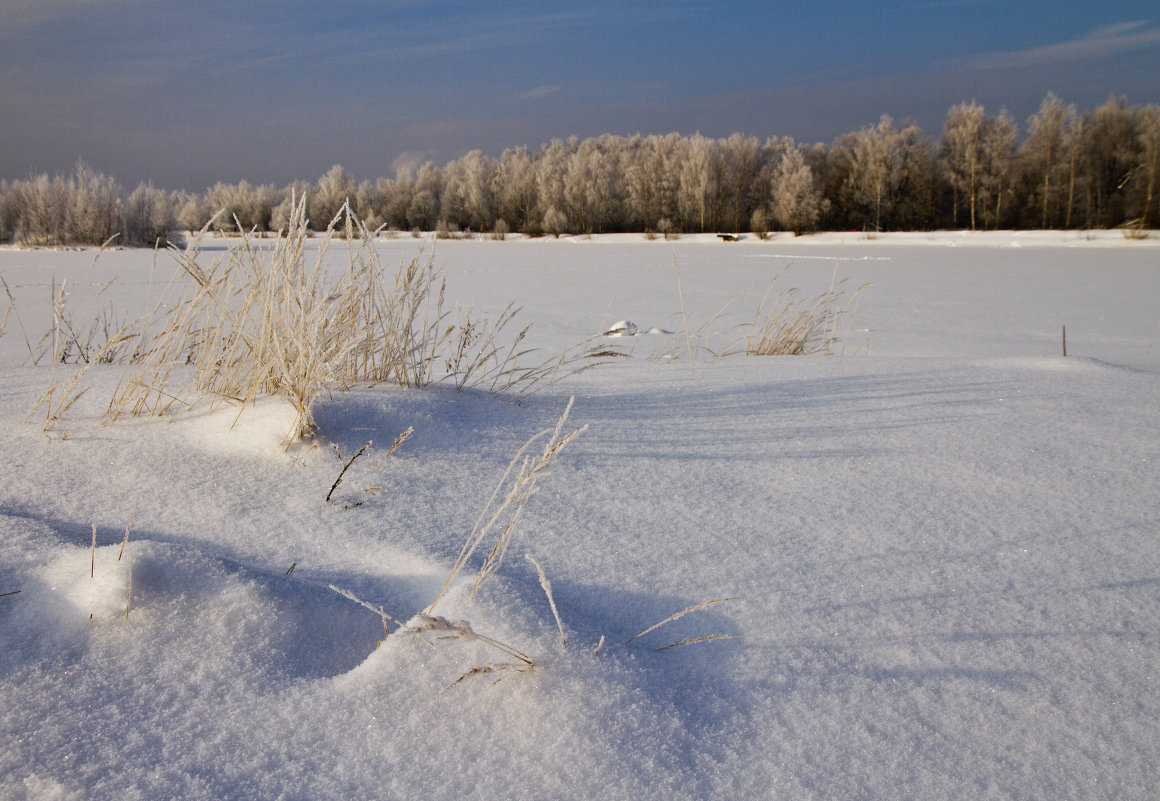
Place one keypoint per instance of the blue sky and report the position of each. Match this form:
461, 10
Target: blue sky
185, 94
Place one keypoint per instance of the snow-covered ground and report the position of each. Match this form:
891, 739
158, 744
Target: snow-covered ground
941, 544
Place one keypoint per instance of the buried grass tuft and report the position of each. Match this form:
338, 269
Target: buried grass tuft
502, 512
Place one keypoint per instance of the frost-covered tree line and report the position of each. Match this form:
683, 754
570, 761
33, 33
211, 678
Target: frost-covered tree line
86, 208
1097, 169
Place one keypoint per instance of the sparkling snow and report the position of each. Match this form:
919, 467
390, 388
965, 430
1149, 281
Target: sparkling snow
942, 542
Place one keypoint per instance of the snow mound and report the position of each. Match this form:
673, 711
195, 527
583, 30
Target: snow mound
627, 328
95, 583
258, 429
622, 328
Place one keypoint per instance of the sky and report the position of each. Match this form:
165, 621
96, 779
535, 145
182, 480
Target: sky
185, 94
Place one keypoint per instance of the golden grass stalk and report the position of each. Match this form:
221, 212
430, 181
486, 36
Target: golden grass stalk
547, 587
694, 341
678, 615
129, 590
399, 440
507, 501
132, 512
503, 669
10, 310
11, 305
378, 610
446, 629
691, 640
684, 316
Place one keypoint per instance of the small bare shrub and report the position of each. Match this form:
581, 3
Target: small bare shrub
555, 223
668, 229
1134, 230
759, 224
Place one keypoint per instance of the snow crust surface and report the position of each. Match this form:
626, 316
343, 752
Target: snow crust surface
941, 544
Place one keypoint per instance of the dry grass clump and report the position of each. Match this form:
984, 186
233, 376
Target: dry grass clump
269, 320
789, 325
65, 344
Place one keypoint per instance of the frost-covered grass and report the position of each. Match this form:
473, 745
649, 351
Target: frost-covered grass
277, 321
942, 550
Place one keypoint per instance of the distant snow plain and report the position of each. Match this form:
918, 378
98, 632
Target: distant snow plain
940, 543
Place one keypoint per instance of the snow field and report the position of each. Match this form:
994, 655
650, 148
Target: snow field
943, 551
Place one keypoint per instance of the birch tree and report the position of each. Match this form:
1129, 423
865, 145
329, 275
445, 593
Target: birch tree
514, 188
962, 142
998, 154
333, 189
1044, 154
742, 163
423, 211
1149, 137
797, 202
700, 182
1110, 157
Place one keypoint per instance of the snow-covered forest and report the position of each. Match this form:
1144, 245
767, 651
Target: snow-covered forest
1063, 169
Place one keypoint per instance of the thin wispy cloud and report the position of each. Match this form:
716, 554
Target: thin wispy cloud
272, 90
20, 15
1109, 40
540, 92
